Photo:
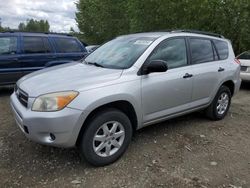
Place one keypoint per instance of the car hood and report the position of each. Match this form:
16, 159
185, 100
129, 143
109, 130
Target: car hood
72, 76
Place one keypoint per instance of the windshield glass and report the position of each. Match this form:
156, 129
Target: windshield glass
120, 53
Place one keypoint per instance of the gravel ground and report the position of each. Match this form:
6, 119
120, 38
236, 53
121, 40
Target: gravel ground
189, 151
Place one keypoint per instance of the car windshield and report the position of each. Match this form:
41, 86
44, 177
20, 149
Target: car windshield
245, 55
120, 53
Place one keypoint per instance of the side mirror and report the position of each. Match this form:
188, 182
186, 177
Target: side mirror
155, 66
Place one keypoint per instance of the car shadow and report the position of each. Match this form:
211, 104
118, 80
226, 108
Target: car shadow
6, 91
174, 123
245, 85
72, 157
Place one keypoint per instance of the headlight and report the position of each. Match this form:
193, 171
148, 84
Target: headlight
53, 101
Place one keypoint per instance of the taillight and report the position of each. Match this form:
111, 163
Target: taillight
237, 61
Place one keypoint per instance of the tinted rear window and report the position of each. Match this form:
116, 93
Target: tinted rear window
36, 45
201, 50
222, 49
67, 45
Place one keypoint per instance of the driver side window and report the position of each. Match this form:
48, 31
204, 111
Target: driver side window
172, 51
8, 45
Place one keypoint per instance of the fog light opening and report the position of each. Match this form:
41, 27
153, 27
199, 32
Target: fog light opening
52, 136
26, 129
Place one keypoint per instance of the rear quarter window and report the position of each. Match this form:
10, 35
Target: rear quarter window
67, 45
222, 49
201, 50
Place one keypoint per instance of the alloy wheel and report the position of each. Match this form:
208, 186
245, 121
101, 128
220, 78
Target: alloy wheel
108, 139
222, 103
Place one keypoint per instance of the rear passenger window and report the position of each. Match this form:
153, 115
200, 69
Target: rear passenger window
222, 49
201, 50
67, 45
36, 45
8, 45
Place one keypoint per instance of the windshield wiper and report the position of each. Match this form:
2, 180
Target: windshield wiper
95, 64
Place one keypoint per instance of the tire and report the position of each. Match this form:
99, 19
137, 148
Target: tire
219, 113
100, 127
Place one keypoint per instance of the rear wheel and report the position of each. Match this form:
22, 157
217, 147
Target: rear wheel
106, 137
219, 107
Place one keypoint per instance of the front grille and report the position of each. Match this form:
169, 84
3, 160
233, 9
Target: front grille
243, 68
22, 96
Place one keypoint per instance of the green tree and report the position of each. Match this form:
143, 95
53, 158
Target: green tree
1, 29
21, 27
34, 26
101, 20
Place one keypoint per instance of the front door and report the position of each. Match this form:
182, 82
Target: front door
10, 67
170, 92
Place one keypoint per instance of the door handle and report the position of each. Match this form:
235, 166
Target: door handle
187, 75
221, 69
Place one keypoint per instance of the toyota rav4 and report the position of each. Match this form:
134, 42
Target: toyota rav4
126, 84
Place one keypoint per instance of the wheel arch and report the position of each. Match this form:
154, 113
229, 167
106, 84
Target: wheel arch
230, 84
123, 105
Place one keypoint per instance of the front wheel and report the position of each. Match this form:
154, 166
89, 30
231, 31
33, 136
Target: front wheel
219, 107
106, 137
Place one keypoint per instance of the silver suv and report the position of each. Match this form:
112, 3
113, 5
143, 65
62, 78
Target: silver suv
126, 84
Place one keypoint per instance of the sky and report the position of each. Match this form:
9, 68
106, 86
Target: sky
59, 13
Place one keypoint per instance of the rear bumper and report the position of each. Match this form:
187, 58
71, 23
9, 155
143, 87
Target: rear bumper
59, 128
245, 76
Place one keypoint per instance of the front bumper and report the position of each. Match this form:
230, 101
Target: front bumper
245, 76
59, 128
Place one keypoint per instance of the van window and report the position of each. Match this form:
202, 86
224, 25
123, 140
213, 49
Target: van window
36, 45
8, 45
172, 51
222, 49
201, 50
67, 45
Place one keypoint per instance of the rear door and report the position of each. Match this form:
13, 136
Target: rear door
68, 48
207, 67
10, 67
36, 53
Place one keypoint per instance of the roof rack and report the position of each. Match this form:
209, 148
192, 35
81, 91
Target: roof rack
16, 31
197, 32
